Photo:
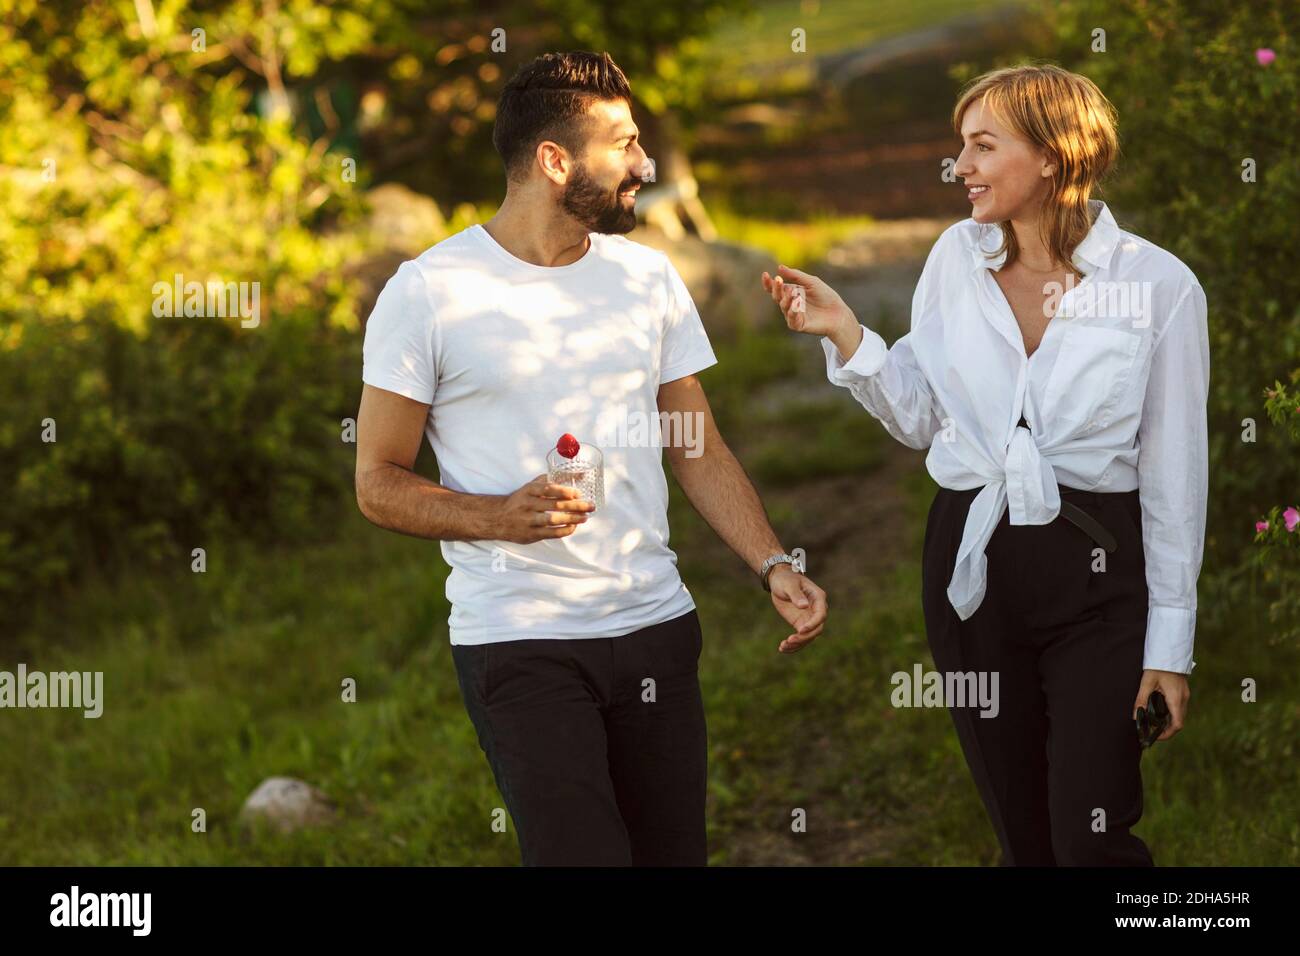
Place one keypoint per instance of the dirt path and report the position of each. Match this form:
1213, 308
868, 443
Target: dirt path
852, 526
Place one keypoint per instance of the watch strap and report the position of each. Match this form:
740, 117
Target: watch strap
766, 570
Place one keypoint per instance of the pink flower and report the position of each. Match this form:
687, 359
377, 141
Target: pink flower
1261, 525
1265, 56
1292, 518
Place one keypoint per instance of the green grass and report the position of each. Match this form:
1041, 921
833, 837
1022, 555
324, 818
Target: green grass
817, 731
793, 237
215, 681
790, 452
750, 55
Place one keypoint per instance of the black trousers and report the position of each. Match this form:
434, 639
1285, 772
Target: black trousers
1058, 767
597, 745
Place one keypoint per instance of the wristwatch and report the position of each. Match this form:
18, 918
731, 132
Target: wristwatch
769, 564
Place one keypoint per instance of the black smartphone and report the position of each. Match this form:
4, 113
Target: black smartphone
1153, 719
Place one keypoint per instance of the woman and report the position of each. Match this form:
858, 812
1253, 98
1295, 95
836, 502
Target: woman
1057, 368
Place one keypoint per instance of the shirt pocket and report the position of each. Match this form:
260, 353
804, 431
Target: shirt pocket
1093, 371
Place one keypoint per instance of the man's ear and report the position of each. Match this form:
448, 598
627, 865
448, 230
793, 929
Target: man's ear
554, 161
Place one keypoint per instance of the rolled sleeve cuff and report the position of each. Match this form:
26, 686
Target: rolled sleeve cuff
865, 362
1170, 633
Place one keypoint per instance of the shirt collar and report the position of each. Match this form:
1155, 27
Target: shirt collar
1095, 250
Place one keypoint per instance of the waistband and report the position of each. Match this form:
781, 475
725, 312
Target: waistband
1023, 485
1066, 492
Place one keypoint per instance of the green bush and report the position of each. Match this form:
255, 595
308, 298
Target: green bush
175, 439
1278, 532
1198, 95
225, 141
130, 156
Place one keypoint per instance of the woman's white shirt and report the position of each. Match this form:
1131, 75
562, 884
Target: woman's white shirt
1115, 397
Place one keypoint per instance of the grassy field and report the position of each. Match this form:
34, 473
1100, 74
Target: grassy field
794, 241
751, 55
215, 681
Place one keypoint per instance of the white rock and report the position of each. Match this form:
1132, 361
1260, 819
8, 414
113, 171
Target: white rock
287, 804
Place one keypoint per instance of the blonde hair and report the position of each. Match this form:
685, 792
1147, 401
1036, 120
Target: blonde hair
1066, 115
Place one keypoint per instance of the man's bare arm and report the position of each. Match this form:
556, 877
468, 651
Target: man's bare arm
714, 481
722, 493
392, 496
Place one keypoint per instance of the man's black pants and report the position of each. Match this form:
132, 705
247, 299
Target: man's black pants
597, 744
1058, 767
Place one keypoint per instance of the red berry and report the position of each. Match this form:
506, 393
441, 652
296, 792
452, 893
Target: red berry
567, 446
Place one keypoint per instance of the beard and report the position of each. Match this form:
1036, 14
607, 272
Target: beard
598, 209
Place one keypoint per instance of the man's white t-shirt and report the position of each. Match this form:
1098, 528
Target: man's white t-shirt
510, 356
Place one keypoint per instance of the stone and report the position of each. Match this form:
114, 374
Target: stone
287, 804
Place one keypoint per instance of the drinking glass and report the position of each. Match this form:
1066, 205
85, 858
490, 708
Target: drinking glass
585, 471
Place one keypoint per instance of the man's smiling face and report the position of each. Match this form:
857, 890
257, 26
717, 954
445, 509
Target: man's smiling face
601, 191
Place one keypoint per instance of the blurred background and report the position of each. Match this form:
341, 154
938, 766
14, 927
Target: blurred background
313, 146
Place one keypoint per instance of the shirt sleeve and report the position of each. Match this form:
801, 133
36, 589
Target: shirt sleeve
398, 351
1173, 481
685, 349
887, 381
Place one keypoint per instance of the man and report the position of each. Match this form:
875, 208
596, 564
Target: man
575, 642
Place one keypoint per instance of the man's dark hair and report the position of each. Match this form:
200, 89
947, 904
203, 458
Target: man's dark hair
548, 99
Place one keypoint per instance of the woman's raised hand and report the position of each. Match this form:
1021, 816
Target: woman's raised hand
808, 303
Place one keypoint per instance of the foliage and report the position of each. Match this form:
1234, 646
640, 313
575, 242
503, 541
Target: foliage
228, 141
1278, 532
1206, 95
186, 436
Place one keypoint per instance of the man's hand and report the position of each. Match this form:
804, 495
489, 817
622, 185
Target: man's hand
800, 602
1174, 687
718, 488
540, 510
391, 495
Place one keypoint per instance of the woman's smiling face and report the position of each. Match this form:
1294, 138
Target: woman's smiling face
1003, 172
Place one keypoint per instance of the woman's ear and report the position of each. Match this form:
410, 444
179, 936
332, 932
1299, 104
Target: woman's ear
1049, 165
